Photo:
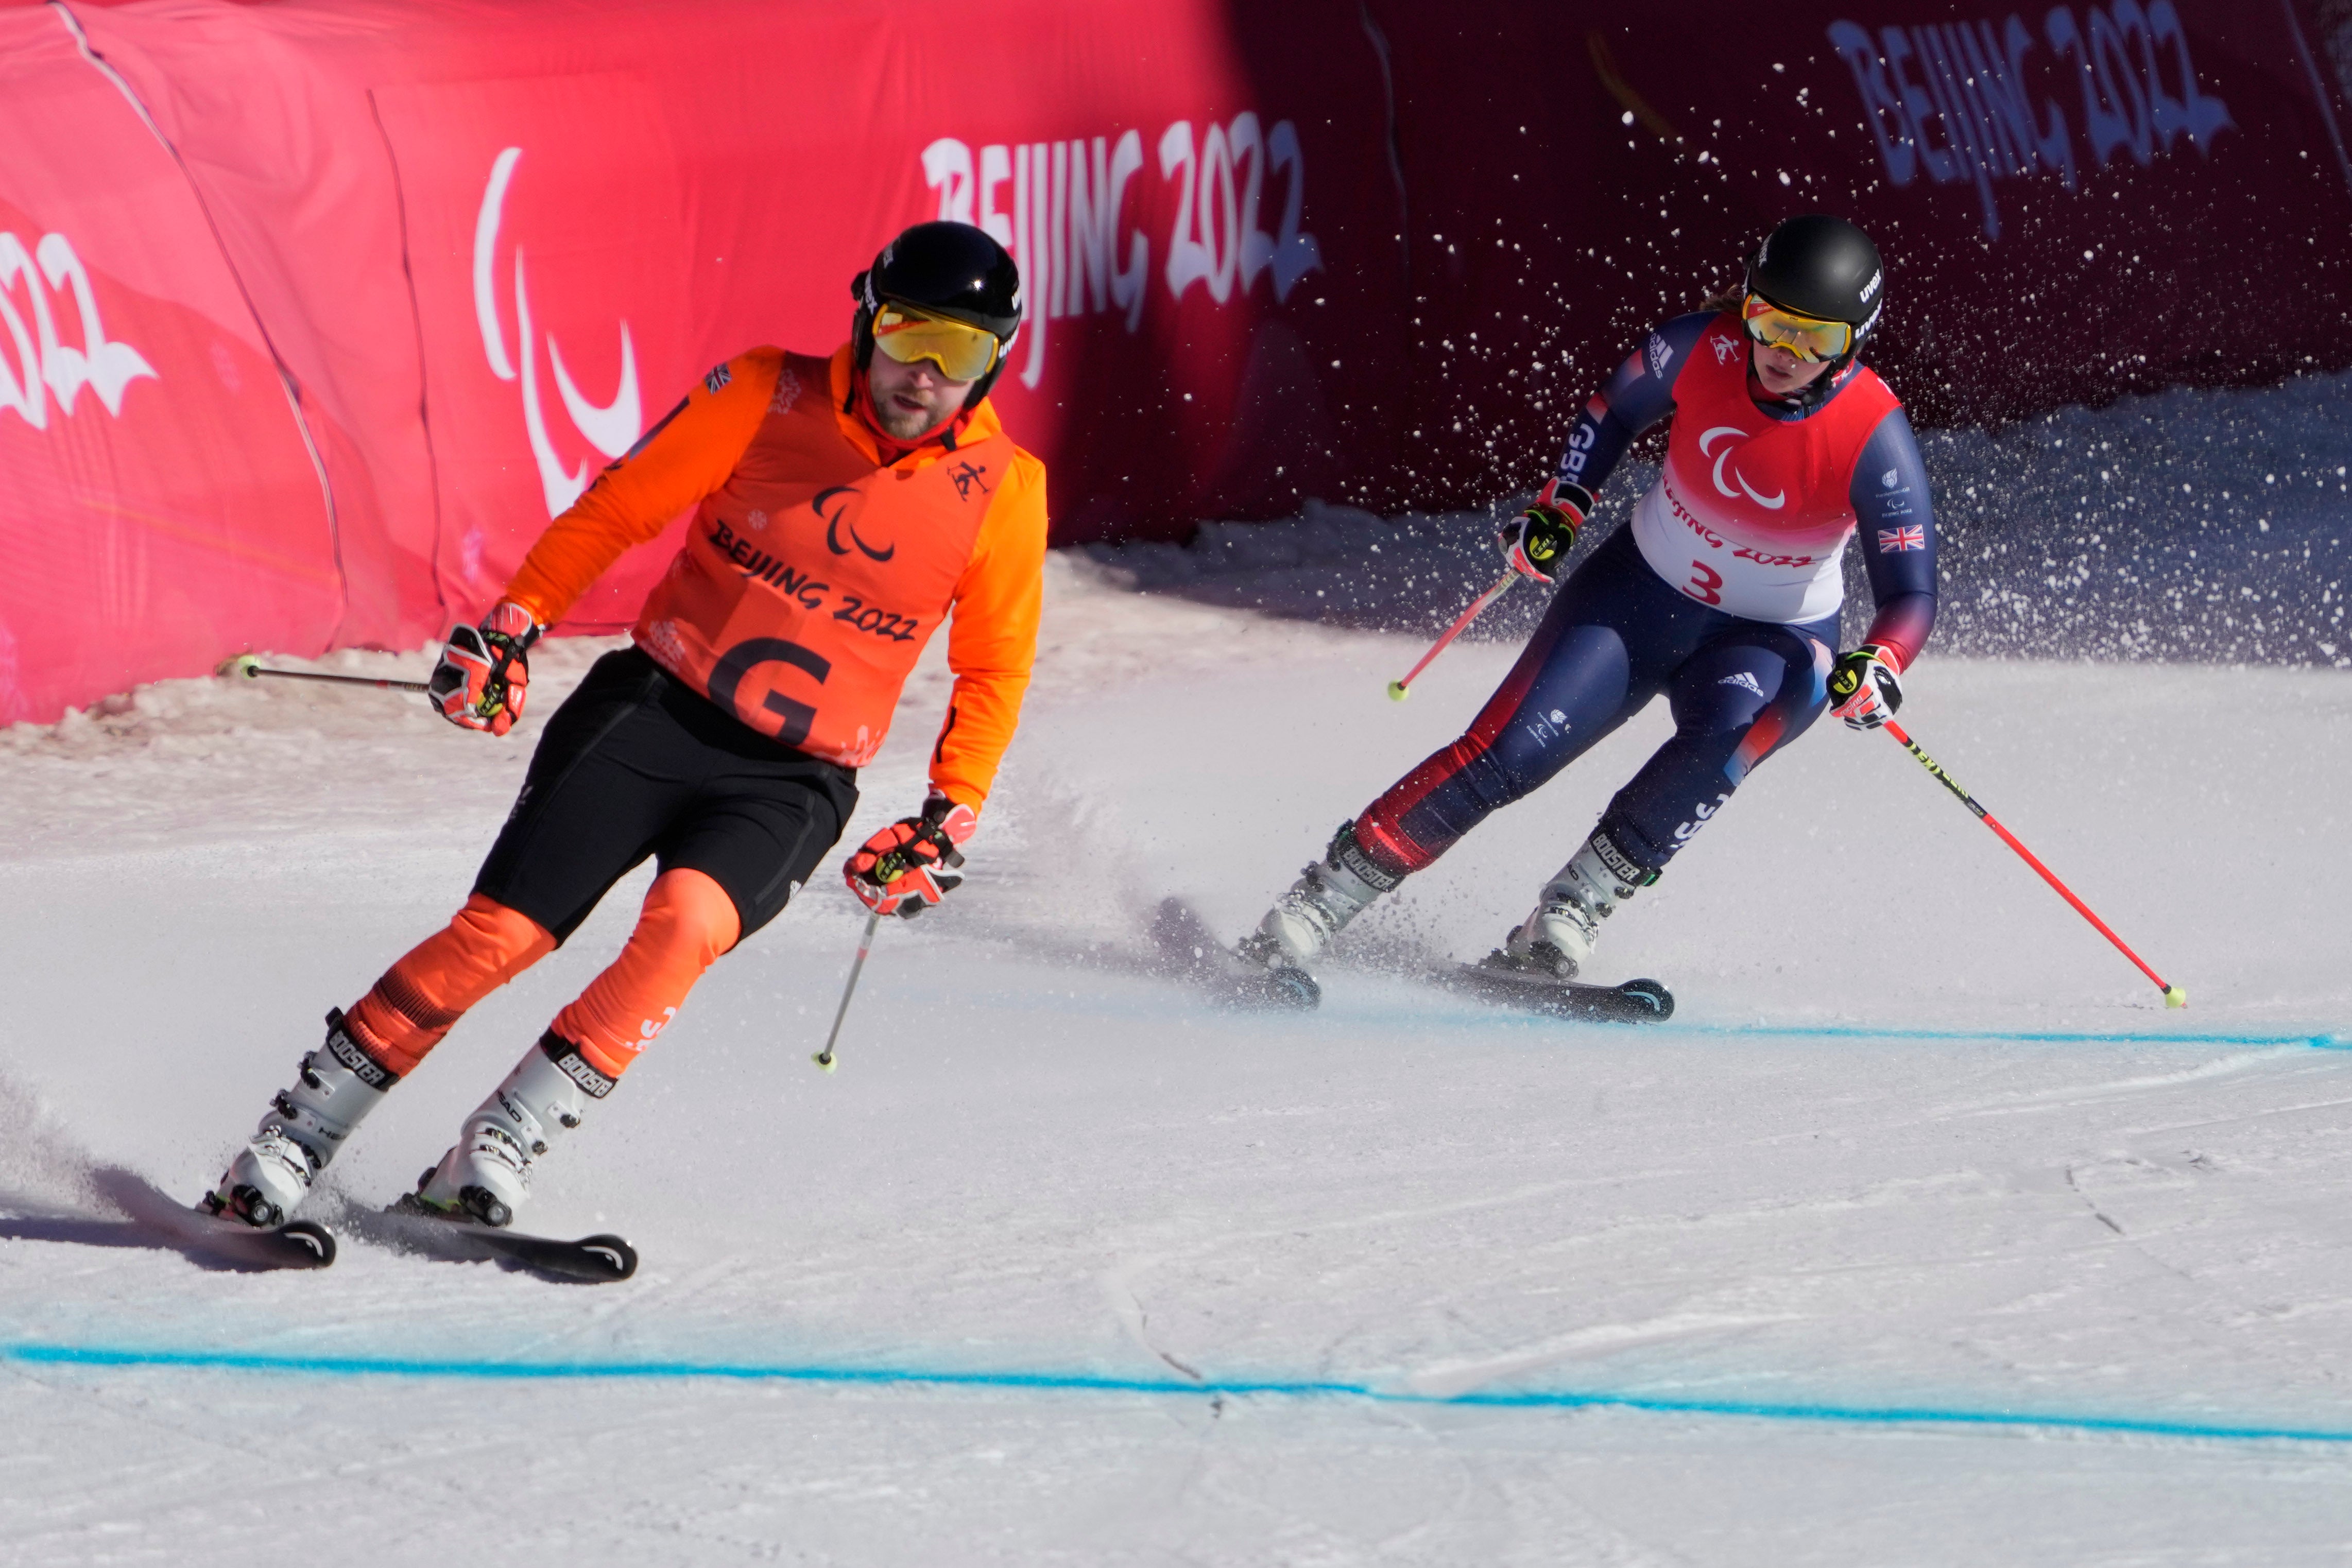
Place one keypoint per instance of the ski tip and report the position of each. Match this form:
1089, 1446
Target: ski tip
1293, 988
617, 1254
1278, 991
1284, 989
316, 1238
1652, 995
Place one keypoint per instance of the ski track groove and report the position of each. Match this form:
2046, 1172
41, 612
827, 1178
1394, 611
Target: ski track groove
2237, 1118
2123, 1088
1451, 1379
1127, 1308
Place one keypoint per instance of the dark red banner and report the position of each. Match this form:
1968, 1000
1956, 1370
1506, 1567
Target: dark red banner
2075, 202
312, 315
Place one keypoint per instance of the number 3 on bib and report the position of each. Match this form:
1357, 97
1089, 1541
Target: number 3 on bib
1704, 581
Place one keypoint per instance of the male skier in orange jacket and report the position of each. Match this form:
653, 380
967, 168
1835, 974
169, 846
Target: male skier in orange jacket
841, 509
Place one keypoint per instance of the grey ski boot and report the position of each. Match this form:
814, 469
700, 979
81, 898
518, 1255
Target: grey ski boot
1326, 895
334, 1088
1558, 939
487, 1175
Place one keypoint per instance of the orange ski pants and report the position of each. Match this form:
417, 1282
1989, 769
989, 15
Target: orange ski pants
688, 921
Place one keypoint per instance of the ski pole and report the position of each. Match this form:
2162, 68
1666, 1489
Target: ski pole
2174, 996
1397, 692
866, 945
245, 665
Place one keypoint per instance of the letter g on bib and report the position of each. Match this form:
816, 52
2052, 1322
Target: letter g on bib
727, 676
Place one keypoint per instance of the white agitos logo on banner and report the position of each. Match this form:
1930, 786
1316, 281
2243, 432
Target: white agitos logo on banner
612, 429
45, 365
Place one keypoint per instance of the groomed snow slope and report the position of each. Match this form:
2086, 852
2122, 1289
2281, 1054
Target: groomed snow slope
1918, 1157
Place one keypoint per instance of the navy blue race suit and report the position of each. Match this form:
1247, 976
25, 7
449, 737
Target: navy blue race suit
1619, 632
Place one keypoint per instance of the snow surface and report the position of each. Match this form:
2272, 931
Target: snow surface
1918, 1156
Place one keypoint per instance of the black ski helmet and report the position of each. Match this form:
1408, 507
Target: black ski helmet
1824, 267
949, 269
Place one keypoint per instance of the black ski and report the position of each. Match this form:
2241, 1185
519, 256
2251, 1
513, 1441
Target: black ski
411, 1227
1191, 952
296, 1244
1496, 980
152, 1217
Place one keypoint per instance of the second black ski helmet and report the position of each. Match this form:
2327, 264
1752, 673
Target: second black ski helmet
946, 269
1824, 267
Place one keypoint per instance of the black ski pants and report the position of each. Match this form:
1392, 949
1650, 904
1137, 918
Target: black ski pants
637, 764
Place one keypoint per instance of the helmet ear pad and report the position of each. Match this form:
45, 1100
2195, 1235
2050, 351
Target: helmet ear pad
861, 322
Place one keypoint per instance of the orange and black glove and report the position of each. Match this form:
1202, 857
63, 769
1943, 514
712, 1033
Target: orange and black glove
484, 672
910, 865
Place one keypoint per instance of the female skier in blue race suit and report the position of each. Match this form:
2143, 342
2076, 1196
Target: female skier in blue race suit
1722, 593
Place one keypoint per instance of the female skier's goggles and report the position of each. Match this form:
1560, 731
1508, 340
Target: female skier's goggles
962, 352
1803, 336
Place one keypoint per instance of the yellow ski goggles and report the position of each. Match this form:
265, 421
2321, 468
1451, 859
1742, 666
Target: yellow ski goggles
1803, 336
962, 352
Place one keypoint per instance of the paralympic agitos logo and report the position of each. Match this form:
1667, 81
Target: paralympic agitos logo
612, 429
839, 496
1772, 502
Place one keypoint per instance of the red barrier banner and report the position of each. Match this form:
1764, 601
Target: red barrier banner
580, 246
157, 504
344, 301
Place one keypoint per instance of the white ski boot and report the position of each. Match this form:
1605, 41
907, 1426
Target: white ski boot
336, 1087
1558, 939
487, 1177
1326, 895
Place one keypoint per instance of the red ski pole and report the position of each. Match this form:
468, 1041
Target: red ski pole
1397, 692
2174, 996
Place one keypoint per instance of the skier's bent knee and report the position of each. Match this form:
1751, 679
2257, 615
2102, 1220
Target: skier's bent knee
688, 921
421, 998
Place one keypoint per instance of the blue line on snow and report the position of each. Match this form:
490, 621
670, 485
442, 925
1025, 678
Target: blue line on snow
1481, 1016
1088, 1383
2038, 1036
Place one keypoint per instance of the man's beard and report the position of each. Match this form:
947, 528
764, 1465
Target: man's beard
901, 424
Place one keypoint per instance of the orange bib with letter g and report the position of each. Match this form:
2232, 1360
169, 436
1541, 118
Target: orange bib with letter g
810, 582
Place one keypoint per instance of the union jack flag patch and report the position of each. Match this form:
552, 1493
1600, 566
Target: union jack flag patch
1893, 539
